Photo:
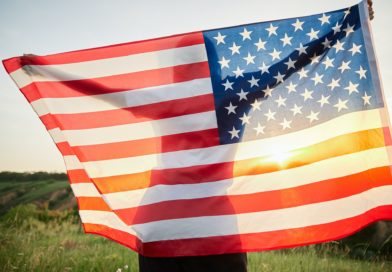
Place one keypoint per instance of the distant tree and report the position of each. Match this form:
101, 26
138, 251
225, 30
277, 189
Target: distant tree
31, 176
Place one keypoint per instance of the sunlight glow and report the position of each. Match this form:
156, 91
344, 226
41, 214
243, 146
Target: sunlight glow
280, 157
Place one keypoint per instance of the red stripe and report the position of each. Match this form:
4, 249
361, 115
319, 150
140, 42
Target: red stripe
155, 111
278, 199
105, 52
169, 143
387, 136
246, 242
65, 149
115, 235
192, 174
116, 83
92, 203
77, 176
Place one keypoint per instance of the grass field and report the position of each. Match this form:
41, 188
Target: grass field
39, 240
48, 237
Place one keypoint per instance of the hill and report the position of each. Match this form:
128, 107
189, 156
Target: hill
46, 190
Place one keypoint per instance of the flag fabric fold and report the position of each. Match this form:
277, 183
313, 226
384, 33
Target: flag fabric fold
254, 137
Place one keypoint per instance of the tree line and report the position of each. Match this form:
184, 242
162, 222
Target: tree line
31, 176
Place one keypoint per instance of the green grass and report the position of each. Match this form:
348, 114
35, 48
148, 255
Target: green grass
34, 239
311, 259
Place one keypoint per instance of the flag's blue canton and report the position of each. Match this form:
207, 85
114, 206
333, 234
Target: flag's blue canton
282, 76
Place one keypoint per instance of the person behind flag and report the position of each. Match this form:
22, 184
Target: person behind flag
236, 262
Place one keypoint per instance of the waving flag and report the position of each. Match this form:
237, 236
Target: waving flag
254, 137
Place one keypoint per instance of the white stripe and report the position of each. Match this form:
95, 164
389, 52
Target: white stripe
265, 221
323, 170
348, 123
112, 66
142, 130
109, 219
57, 135
113, 101
72, 163
85, 189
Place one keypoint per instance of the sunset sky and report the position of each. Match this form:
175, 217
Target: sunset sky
45, 27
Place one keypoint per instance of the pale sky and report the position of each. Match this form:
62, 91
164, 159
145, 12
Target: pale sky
45, 27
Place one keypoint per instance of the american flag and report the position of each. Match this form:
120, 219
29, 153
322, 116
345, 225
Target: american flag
254, 137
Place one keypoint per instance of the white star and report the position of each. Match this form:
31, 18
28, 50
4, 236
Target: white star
313, 34
345, 66
270, 115
349, 29
297, 25
352, 88
246, 34
264, 68
249, 59
328, 63
256, 105
361, 72
260, 45
224, 63
281, 101
279, 77
337, 28
268, 91
341, 105
234, 133
290, 64
303, 73
220, 38
231, 109
326, 43
317, 79
259, 129
286, 40
366, 99
238, 72
323, 100
334, 83
228, 85
235, 49
315, 59
313, 116
285, 124
275, 54
245, 119
355, 49
324, 19
272, 30
301, 49
296, 110
291, 87
307, 94
254, 82
243, 95
338, 46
